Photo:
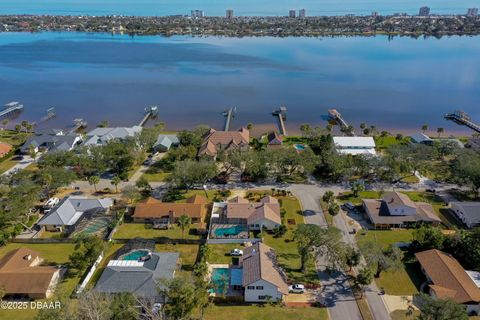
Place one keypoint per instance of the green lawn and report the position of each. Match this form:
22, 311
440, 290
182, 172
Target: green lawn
383, 143
188, 253
261, 312
402, 315
145, 230
221, 252
210, 193
438, 206
7, 164
12, 137
286, 247
55, 253
405, 281
348, 197
155, 177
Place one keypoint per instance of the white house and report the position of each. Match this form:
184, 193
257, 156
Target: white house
263, 279
355, 145
467, 212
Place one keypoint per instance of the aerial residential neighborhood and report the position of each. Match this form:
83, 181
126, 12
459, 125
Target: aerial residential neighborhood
239, 160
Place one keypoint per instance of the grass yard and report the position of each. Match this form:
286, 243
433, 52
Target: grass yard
151, 176
7, 164
349, 197
383, 143
405, 281
438, 206
221, 252
260, 312
12, 137
188, 253
145, 230
190, 193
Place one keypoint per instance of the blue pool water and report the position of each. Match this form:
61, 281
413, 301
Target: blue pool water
220, 279
299, 147
135, 255
230, 231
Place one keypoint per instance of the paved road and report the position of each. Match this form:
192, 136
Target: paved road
335, 287
22, 164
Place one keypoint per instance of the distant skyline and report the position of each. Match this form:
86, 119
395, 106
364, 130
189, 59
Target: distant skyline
240, 7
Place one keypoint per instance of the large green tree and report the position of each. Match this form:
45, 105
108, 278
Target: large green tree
432, 308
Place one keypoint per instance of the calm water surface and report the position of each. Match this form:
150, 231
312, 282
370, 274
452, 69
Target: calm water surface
398, 84
241, 7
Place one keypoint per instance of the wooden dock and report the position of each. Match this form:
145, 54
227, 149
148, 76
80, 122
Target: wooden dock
336, 117
150, 112
463, 119
10, 109
281, 114
78, 124
229, 114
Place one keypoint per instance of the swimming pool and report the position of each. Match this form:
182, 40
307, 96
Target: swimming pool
220, 280
299, 147
230, 231
135, 255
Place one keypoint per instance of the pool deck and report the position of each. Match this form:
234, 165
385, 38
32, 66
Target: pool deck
231, 292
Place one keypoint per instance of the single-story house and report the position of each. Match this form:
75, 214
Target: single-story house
153, 210
355, 145
139, 270
51, 142
68, 213
274, 140
165, 142
468, 212
256, 215
100, 136
448, 279
215, 141
5, 148
397, 210
262, 277
421, 138
22, 275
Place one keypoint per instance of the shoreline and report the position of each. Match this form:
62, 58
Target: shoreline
238, 27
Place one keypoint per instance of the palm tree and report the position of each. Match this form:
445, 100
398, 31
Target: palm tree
116, 181
184, 222
383, 135
333, 209
93, 181
424, 128
440, 131
5, 123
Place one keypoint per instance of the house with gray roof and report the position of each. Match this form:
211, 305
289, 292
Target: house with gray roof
101, 136
141, 272
468, 212
47, 142
71, 210
165, 142
421, 138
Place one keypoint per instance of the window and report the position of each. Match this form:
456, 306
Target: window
251, 287
262, 297
259, 287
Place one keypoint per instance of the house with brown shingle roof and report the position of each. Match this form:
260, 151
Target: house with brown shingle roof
215, 141
256, 215
397, 210
21, 275
448, 279
152, 209
262, 277
4, 148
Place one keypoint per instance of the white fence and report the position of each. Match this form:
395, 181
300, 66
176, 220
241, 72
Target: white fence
89, 274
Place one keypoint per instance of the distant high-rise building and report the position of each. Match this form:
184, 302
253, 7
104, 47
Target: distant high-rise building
472, 12
229, 14
302, 13
197, 14
424, 11
291, 14
374, 14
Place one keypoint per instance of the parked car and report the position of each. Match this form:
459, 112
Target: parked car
296, 288
431, 190
236, 252
51, 203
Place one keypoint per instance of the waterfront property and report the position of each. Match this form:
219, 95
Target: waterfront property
397, 210
22, 275
237, 216
468, 212
422, 138
53, 140
448, 279
274, 140
165, 142
164, 213
100, 136
215, 141
355, 145
73, 212
474, 144
136, 268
